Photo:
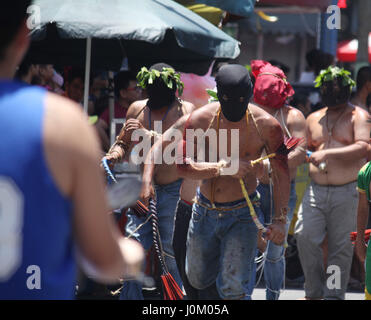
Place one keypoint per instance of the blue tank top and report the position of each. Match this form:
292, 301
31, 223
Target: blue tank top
36, 245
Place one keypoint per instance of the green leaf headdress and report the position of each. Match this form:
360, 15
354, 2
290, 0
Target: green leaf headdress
146, 77
331, 73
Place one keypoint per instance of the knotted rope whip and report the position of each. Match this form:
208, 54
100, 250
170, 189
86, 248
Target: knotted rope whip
171, 288
110, 177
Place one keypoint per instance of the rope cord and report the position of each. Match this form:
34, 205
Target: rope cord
108, 171
156, 236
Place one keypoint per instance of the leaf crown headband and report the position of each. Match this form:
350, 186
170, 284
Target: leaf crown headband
147, 77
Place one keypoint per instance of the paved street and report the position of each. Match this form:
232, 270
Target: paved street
294, 294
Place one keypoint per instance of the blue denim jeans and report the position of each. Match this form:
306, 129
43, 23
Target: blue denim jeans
274, 267
221, 247
167, 197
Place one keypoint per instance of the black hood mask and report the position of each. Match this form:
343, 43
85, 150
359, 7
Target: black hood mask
234, 91
159, 94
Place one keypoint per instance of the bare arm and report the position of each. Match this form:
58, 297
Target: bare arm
297, 127
362, 220
155, 156
273, 135
357, 150
75, 167
123, 143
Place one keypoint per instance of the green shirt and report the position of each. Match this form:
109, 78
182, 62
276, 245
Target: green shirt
364, 179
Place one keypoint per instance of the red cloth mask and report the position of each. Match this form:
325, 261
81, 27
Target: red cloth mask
271, 88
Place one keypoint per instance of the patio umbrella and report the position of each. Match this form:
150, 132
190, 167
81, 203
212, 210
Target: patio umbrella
144, 31
141, 25
347, 50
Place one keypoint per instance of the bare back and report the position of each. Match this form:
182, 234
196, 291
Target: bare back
293, 124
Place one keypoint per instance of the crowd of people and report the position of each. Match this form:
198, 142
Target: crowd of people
225, 198
335, 142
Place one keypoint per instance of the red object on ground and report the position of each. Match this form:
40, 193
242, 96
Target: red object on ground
347, 50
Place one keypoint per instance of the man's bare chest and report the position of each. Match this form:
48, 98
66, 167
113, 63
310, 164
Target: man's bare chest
160, 122
242, 141
324, 132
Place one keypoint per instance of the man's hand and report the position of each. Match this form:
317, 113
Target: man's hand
244, 167
262, 242
113, 157
318, 157
130, 126
276, 233
361, 248
147, 193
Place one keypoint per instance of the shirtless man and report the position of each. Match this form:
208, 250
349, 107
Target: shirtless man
339, 135
293, 124
164, 107
363, 88
222, 236
52, 193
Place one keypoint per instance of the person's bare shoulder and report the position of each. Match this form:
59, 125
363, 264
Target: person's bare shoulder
262, 117
68, 140
361, 113
295, 117
295, 113
316, 116
202, 117
188, 106
67, 117
135, 108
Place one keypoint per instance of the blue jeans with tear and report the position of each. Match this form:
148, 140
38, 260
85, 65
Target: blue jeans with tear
167, 197
221, 247
274, 267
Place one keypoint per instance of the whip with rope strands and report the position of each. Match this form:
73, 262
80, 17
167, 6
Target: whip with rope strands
171, 288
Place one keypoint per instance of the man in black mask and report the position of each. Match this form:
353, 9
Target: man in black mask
222, 235
153, 116
234, 90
